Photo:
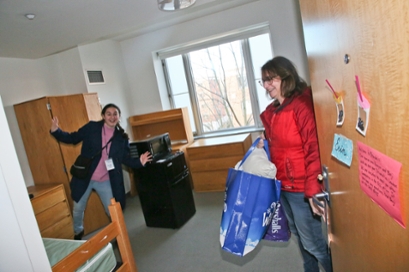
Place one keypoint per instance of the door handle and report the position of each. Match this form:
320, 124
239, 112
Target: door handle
318, 197
322, 200
324, 195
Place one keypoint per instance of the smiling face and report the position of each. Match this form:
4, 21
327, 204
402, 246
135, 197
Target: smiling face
111, 117
272, 84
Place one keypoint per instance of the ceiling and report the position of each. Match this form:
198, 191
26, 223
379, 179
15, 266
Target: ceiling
60, 25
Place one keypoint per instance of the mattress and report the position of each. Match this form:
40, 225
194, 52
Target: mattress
103, 261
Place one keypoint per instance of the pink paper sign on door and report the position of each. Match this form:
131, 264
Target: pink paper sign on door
379, 179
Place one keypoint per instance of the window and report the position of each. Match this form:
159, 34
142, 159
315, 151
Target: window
216, 80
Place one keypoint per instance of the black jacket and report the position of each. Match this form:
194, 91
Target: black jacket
91, 137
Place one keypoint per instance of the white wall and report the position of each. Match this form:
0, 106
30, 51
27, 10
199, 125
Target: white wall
21, 247
128, 66
107, 56
286, 34
23, 80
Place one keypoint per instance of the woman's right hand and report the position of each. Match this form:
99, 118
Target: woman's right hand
260, 143
54, 124
145, 157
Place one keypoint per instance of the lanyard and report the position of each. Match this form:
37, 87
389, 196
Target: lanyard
106, 146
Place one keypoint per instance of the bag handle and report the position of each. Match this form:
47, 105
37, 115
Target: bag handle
102, 147
254, 145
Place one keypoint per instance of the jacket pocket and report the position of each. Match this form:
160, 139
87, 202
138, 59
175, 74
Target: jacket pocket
289, 170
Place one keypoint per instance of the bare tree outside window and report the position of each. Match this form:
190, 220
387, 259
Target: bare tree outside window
218, 84
221, 86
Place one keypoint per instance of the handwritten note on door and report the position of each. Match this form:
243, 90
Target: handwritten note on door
379, 179
342, 149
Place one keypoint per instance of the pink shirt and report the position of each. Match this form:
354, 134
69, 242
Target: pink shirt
101, 172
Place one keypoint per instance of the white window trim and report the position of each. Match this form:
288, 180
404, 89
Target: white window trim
238, 34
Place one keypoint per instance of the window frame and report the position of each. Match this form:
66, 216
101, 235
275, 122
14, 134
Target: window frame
243, 35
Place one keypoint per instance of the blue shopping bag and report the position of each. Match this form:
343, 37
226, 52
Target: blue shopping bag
249, 205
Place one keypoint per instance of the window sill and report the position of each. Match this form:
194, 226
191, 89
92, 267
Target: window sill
228, 133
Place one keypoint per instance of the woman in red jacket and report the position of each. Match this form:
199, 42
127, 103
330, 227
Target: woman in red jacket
290, 129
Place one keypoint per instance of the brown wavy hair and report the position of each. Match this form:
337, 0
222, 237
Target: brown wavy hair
291, 83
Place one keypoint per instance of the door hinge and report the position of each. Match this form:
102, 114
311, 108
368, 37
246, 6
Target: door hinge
48, 106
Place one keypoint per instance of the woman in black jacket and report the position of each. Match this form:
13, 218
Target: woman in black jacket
105, 174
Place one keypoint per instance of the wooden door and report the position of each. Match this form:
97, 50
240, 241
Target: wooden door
74, 111
43, 152
72, 114
374, 35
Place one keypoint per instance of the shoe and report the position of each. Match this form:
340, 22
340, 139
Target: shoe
79, 235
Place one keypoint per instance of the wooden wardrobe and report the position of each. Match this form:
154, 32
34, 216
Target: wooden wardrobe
49, 160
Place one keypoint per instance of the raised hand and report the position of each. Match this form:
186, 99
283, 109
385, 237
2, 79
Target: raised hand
54, 124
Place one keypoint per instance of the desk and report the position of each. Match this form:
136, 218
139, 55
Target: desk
211, 158
52, 211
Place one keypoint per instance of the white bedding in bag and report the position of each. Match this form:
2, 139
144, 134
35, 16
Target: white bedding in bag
257, 163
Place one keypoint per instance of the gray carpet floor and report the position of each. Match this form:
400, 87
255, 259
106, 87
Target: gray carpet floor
195, 246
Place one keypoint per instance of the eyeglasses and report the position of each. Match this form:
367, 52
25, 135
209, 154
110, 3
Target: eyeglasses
267, 79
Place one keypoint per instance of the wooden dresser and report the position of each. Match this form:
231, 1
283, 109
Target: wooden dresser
211, 158
52, 211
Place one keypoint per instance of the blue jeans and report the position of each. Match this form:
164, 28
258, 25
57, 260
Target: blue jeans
104, 191
308, 229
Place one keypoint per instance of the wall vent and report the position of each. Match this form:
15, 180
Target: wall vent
95, 77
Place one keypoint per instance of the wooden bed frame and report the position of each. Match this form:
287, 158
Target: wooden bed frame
116, 229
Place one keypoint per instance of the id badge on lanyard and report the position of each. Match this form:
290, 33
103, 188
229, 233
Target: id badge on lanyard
109, 164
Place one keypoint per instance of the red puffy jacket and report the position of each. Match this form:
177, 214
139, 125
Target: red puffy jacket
292, 136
